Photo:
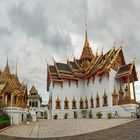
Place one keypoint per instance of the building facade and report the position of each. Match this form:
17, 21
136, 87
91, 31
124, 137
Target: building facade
95, 81
34, 102
34, 99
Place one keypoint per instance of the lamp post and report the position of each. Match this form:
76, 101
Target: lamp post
11, 120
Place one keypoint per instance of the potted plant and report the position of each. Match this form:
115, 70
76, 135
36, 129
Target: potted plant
99, 115
109, 115
29, 118
55, 116
84, 113
45, 114
90, 114
66, 115
75, 114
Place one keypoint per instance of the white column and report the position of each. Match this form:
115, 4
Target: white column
11, 109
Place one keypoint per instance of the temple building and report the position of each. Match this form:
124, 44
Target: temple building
12, 89
35, 103
13, 95
34, 99
95, 82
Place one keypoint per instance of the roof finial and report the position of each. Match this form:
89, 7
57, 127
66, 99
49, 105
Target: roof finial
46, 62
7, 70
7, 58
134, 60
102, 50
16, 67
86, 27
97, 51
114, 44
122, 42
53, 59
86, 36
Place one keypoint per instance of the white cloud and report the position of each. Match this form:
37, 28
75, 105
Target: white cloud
34, 30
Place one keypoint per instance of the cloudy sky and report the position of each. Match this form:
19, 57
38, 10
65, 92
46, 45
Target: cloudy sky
34, 30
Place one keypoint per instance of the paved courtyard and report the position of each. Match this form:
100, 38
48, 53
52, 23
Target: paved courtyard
61, 128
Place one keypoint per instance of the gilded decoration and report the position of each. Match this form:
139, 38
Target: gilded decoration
115, 96
12, 89
74, 103
58, 103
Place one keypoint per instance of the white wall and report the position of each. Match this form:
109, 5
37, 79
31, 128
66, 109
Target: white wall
83, 90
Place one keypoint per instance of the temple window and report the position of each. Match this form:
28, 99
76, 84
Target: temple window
81, 103
97, 101
66, 103
105, 97
58, 103
86, 103
92, 104
73, 103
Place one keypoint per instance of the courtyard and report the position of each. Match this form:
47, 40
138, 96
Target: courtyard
62, 128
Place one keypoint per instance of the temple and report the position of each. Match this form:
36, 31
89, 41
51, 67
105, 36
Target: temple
13, 95
95, 82
12, 92
34, 99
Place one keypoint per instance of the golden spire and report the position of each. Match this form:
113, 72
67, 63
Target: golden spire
102, 50
7, 70
134, 60
33, 90
97, 52
87, 52
16, 68
86, 35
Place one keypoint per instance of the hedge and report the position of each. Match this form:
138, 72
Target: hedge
4, 122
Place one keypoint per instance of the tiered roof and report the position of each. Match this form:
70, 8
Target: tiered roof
34, 93
11, 84
90, 64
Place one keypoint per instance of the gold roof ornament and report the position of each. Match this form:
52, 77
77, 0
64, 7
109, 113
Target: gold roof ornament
33, 91
87, 54
134, 60
115, 92
16, 73
7, 69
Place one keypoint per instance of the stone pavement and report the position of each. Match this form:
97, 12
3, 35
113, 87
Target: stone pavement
83, 129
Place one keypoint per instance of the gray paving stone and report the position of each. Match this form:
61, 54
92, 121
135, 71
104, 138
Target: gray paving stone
53, 129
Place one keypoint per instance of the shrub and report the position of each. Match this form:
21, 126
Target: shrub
55, 116
66, 115
29, 117
4, 122
99, 115
109, 115
45, 114
90, 114
4, 115
84, 113
75, 114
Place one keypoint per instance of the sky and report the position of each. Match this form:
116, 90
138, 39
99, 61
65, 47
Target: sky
33, 31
